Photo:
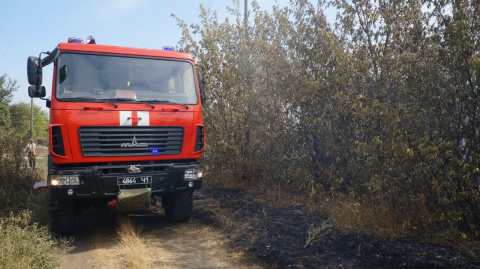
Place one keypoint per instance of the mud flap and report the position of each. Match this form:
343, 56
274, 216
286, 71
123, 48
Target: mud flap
133, 200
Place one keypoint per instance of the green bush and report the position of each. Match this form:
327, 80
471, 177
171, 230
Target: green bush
16, 179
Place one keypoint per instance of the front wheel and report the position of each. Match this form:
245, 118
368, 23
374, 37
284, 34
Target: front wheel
63, 219
178, 206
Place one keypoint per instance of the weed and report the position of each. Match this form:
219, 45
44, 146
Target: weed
317, 233
223, 220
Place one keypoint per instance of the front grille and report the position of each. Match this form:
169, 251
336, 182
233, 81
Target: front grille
130, 140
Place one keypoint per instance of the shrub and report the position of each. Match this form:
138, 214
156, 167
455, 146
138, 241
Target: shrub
26, 245
384, 111
16, 179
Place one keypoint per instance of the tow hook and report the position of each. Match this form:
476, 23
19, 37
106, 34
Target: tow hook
113, 203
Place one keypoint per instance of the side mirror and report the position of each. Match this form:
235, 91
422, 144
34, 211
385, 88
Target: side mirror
35, 91
34, 71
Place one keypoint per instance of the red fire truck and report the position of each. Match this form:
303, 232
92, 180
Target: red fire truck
125, 129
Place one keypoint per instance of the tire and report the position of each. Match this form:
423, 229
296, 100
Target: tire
63, 219
178, 206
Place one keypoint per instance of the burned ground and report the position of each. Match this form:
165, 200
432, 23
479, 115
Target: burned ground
233, 229
277, 238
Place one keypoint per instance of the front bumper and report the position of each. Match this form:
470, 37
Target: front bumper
102, 181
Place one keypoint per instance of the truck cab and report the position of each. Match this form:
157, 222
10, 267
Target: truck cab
125, 128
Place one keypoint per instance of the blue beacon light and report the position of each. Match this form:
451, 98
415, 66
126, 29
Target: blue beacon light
75, 40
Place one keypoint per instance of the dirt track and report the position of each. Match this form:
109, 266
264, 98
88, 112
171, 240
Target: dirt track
187, 245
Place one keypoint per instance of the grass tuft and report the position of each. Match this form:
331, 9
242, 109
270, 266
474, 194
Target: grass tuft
225, 222
134, 247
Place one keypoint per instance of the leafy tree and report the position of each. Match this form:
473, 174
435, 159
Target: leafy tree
382, 108
457, 30
7, 87
4, 117
20, 115
40, 125
246, 71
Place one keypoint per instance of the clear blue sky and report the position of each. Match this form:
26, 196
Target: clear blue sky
28, 27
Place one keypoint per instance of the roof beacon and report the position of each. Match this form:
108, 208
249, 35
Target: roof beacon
91, 40
75, 40
169, 48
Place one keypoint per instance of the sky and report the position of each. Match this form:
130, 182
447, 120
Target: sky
28, 27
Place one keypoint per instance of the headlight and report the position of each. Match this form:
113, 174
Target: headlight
193, 174
57, 180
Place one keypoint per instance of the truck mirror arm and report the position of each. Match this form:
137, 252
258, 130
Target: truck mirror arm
52, 56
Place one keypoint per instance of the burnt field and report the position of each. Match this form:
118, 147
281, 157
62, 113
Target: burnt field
288, 237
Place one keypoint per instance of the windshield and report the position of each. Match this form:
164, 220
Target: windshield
122, 79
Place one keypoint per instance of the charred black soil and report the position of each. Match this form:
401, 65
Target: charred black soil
278, 238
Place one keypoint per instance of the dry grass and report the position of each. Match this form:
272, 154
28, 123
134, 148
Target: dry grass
225, 222
133, 246
26, 245
131, 249
376, 219
457, 240
382, 221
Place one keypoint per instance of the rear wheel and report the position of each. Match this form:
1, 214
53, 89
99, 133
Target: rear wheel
178, 206
63, 218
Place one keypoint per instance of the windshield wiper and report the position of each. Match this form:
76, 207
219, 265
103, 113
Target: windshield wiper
146, 102
87, 98
167, 102
133, 101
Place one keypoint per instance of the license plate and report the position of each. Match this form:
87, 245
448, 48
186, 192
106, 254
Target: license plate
134, 180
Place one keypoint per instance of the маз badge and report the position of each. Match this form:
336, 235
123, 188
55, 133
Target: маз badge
134, 169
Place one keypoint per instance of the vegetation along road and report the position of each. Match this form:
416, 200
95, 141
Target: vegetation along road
346, 144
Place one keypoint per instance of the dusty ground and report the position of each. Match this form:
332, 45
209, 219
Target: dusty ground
187, 245
232, 229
